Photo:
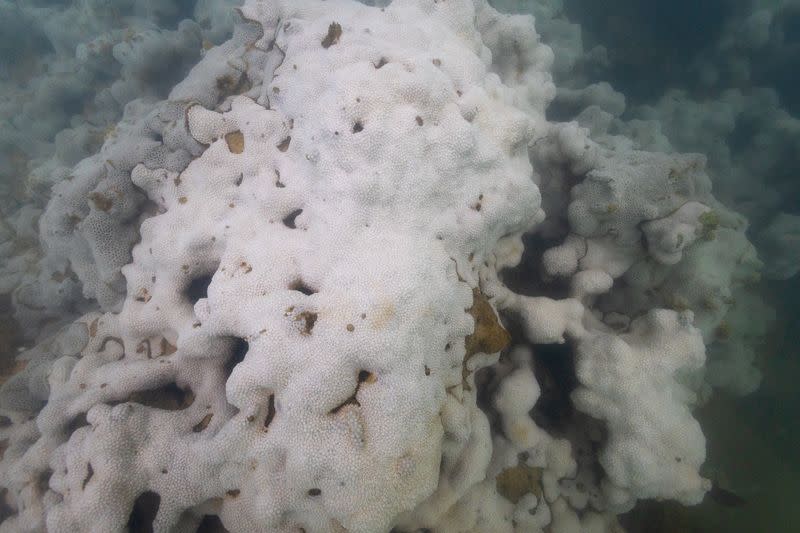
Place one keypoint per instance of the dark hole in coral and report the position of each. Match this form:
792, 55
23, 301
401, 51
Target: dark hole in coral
211, 524
300, 286
4, 421
314, 492
364, 376
144, 512
227, 85
6, 511
203, 424
284, 144
240, 348
270, 411
151, 209
554, 367
309, 318
89, 474
519, 278
43, 481
381, 62
562, 110
198, 288
289, 220
158, 137
10, 338
76, 423
358, 126
169, 397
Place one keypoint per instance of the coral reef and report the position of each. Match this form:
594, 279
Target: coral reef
277, 291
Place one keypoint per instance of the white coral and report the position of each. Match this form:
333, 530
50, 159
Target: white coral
294, 269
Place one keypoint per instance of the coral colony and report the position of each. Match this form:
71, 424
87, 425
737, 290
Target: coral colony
307, 284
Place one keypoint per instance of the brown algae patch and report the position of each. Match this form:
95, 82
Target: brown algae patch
235, 141
489, 335
515, 482
334, 33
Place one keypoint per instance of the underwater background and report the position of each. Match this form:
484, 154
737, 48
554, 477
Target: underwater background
722, 76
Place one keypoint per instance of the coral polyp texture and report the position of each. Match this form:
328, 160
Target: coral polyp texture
280, 298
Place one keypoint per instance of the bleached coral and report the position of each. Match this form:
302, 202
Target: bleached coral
295, 307
314, 236
655, 447
75, 66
